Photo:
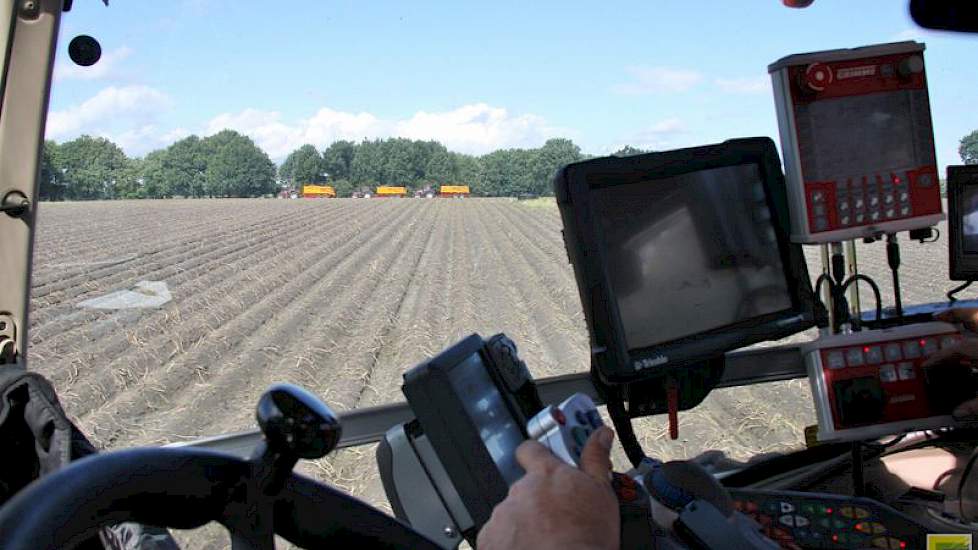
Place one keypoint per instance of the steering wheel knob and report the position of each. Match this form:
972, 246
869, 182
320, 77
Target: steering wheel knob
296, 422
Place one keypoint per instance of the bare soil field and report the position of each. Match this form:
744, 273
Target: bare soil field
339, 296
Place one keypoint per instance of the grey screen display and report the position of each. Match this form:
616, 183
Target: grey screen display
857, 136
691, 253
498, 429
969, 219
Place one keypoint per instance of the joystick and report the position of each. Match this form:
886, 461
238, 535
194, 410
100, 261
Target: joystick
566, 428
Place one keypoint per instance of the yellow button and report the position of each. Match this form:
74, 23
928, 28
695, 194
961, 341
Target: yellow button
877, 528
881, 542
860, 513
846, 511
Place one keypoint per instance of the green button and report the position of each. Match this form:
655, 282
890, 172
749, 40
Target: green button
579, 434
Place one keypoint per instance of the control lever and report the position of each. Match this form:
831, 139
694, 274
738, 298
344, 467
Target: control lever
296, 424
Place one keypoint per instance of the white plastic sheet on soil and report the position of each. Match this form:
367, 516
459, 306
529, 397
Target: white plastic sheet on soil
146, 294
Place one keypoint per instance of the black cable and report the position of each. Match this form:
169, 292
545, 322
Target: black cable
936, 237
623, 426
957, 289
893, 258
858, 480
873, 285
963, 479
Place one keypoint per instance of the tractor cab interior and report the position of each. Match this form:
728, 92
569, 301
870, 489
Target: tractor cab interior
691, 271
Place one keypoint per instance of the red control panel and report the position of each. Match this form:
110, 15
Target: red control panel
857, 141
871, 383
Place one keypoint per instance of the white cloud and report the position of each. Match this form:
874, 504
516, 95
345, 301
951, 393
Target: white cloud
650, 80
475, 128
747, 85
658, 137
106, 66
126, 115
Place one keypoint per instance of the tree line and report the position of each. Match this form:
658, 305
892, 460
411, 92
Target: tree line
229, 164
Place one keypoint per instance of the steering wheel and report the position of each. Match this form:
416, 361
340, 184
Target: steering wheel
186, 488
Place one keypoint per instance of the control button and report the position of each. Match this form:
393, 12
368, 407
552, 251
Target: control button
807, 509
843, 206
788, 520
911, 349
581, 418
858, 203
887, 374
821, 223
905, 371
876, 528
844, 220
904, 196
838, 523
925, 180
889, 543
888, 198
836, 360
948, 341
929, 346
911, 65
854, 357
594, 418
890, 212
860, 513
904, 210
846, 511
817, 197
874, 201
874, 354
787, 507
819, 210
579, 434
860, 217
874, 215
892, 351
801, 521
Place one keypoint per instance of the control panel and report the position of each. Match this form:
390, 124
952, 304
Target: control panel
565, 429
799, 521
869, 384
857, 141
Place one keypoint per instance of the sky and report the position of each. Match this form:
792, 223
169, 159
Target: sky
477, 77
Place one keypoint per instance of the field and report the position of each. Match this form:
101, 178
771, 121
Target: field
340, 296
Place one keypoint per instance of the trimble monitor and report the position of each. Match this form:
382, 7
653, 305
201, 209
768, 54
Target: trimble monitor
683, 255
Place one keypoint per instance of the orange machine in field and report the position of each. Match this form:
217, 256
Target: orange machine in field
318, 192
454, 191
388, 191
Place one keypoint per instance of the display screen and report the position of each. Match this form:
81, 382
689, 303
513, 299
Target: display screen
691, 253
857, 136
499, 431
969, 219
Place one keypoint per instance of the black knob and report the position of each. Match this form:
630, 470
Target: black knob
910, 66
296, 422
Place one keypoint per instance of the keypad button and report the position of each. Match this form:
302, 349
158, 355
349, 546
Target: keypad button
788, 520
787, 507
904, 210
911, 349
888, 198
905, 371
843, 206
930, 346
836, 360
854, 357
890, 212
844, 220
819, 209
801, 521
818, 197
874, 355
887, 374
874, 201
874, 215
892, 351
858, 202
948, 341
821, 223
860, 218
904, 196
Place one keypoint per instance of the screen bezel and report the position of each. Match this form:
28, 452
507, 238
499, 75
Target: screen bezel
587, 250
962, 265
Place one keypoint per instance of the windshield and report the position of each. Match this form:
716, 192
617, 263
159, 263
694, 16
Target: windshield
184, 261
